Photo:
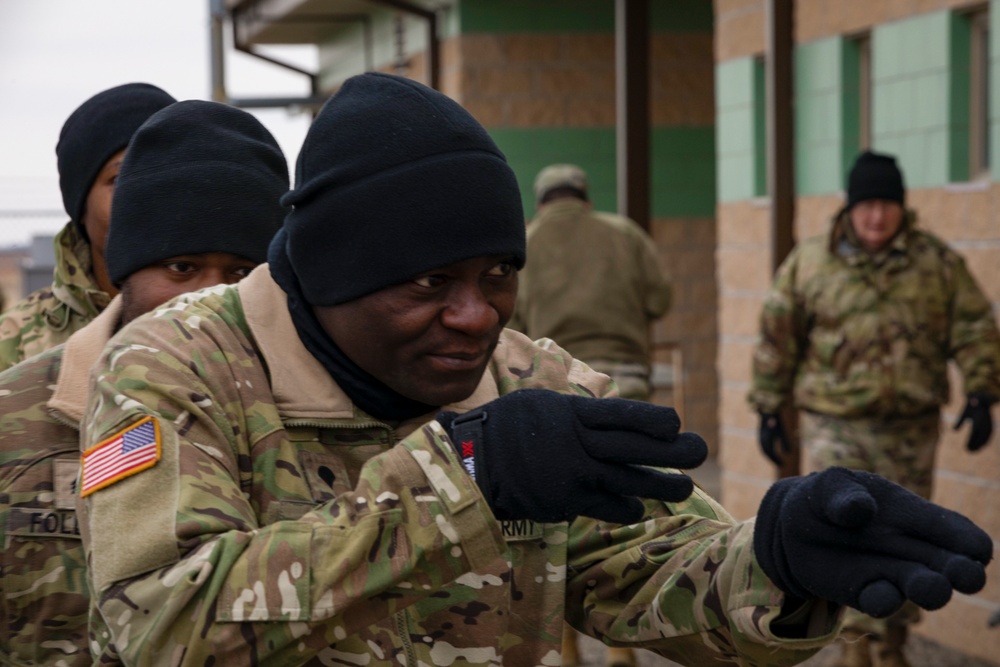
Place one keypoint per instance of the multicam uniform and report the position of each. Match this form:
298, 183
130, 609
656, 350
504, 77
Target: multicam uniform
861, 342
49, 316
44, 589
281, 525
600, 315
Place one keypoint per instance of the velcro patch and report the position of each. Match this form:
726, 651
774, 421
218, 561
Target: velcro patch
125, 453
42, 522
64, 474
520, 530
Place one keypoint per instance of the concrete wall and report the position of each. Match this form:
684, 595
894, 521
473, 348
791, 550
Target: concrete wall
914, 44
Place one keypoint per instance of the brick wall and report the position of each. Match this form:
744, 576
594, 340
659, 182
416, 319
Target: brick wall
550, 97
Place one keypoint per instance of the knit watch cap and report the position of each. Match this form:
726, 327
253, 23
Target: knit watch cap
875, 176
99, 128
394, 179
560, 176
198, 177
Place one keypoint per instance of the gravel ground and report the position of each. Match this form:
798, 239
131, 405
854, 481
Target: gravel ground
920, 652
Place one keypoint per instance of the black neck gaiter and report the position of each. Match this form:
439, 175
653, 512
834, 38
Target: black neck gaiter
366, 391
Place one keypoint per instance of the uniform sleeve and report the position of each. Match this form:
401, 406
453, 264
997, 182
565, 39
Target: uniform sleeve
780, 343
684, 583
11, 324
182, 566
975, 342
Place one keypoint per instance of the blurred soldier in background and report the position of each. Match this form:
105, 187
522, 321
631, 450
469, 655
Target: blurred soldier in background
89, 154
195, 206
593, 284
857, 332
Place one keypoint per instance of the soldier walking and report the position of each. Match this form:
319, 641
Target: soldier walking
856, 333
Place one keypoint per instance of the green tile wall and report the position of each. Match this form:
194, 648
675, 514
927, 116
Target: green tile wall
920, 96
826, 116
740, 150
682, 164
577, 15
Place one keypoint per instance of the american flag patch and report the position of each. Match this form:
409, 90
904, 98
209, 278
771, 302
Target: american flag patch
125, 453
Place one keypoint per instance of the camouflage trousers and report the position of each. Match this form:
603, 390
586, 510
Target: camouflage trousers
632, 379
899, 449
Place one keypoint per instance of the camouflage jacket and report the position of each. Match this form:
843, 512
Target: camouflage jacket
280, 525
592, 283
49, 316
44, 589
854, 334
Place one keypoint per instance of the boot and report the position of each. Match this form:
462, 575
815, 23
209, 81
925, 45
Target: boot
620, 657
890, 652
856, 650
570, 654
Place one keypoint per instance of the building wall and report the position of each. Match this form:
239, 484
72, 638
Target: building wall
919, 88
540, 77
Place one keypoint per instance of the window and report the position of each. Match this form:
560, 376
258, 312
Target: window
979, 97
863, 44
760, 127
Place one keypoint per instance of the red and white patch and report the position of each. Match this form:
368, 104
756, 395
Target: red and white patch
127, 452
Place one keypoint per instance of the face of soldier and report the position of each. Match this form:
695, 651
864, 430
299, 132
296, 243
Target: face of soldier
97, 215
876, 222
431, 337
154, 285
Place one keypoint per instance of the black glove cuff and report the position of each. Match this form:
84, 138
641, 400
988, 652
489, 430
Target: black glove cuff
983, 397
767, 539
466, 434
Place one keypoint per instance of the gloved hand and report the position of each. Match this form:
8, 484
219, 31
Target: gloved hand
859, 540
773, 440
550, 457
977, 408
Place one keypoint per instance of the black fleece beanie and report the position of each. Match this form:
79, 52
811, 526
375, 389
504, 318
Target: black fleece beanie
394, 179
198, 177
875, 176
99, 128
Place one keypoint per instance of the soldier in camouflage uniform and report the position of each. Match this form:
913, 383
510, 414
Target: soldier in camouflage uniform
593, 283
856, 333
268, 477
89, 154
189, 246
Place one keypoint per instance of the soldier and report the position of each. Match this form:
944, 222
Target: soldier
346, 459
856, 333
89, 154
196, 205
593, 283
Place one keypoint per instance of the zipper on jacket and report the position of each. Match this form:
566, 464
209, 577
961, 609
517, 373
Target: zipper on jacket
332, 423
63, 419
404, 636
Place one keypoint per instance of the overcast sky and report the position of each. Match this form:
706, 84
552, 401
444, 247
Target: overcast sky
54, 54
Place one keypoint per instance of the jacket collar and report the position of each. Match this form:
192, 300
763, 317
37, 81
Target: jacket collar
301, 387
80, 353
844, 243
73, 283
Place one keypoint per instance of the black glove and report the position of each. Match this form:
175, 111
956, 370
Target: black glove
859, 540
977, 408
773, 440
550, 457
